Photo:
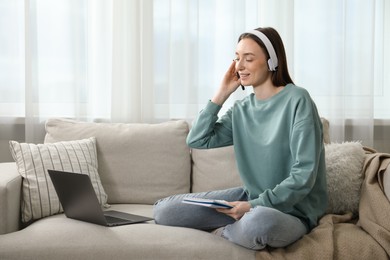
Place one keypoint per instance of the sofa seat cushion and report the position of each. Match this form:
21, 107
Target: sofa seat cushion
58, 237
138, 163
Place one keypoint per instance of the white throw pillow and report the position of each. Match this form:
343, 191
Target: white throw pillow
344, 164
39, 198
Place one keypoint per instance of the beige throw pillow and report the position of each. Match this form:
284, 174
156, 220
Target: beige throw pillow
39, 198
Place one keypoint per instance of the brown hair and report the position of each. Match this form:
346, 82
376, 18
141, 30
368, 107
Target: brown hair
280, 77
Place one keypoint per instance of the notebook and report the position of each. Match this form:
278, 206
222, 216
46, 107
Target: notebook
208, 203
79, 201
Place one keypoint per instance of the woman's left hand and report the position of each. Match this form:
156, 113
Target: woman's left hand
238, 210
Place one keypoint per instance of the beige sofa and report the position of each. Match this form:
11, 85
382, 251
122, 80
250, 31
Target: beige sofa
140, 163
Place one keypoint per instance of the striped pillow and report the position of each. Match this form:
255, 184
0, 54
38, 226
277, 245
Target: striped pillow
39, 198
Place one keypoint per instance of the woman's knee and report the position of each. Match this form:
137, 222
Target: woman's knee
164, 211
268, 221
264, 226
260, 222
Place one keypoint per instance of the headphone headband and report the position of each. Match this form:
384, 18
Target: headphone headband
273, 61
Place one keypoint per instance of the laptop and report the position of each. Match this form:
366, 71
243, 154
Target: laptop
79, 201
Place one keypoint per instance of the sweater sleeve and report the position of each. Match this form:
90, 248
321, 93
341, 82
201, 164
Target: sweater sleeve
210, 132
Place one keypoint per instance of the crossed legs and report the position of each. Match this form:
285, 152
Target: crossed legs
258, 228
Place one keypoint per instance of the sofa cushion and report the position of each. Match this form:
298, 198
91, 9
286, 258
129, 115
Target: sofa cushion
58, 237
39, 199
214, 169
344, 164
325, 130
138, 163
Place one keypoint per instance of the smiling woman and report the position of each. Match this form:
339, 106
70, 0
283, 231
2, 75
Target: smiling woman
278, 200
273, 49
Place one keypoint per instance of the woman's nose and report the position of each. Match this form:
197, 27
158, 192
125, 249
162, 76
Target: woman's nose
239, 65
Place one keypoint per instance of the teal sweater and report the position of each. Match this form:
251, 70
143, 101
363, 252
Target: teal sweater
279, 150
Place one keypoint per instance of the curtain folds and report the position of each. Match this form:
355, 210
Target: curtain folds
132, 61
155, 60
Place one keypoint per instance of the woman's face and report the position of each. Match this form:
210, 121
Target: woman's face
251, 63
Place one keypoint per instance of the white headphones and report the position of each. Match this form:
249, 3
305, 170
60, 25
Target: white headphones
273, 60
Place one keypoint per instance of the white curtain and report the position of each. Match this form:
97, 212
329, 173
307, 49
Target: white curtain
155, 60
340, 59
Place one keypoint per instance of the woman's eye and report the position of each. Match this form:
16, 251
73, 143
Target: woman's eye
249, 60
236, 59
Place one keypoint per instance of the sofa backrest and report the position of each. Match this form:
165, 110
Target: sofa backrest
137, 163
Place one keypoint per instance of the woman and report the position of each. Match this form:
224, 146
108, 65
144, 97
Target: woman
277, 137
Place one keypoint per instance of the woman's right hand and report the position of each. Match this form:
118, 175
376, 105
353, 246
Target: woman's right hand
229, 84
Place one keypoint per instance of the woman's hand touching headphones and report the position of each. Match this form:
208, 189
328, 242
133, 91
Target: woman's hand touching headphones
229, 84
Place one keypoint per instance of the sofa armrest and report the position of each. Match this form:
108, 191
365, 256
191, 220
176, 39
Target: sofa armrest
10, 190
386, 182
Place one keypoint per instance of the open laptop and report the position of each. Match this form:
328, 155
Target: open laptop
79, 201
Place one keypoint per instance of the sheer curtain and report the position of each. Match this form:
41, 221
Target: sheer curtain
87, 60
155, 60
341, 62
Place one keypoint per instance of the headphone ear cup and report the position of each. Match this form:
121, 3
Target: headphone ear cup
271, 65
